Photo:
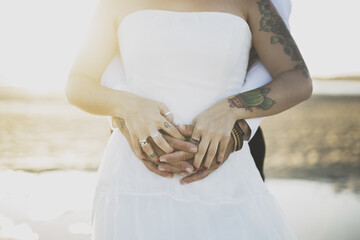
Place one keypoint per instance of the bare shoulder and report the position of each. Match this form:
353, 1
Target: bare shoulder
245, 7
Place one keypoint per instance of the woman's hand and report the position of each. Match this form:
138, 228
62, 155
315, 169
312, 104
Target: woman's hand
165, 170
213, 132
144, 118
203, 173
180, 156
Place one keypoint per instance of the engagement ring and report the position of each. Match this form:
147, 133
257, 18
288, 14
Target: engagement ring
143, 142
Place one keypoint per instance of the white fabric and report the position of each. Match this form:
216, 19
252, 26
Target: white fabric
257, 76
175, 58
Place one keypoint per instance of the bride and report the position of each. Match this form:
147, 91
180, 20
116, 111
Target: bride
185, 62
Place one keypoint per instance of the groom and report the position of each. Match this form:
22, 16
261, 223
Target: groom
257, 76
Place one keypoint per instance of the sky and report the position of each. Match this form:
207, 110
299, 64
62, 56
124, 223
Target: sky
39, 39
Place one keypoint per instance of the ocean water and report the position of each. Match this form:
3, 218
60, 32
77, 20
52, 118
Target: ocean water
336, 87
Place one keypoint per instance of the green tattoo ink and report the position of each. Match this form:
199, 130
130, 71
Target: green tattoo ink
255, 98
272, 22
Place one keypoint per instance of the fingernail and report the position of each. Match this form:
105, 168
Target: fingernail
183, 183
195, 168
169, 176
218, 162
162, 159
162, 169
183, 174
193, 149
182, 126
205, 168
189, 170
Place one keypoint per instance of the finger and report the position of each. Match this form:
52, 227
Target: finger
201, 174
136, 147
169, 168
153, 168
176, 157
195, 136
167, 113
186, 129
185, 166
118, 122
161, 142
150, 152
155, 147
180, 144
169, 116
222, 149
210, 154
182, 165
170, 129
199, 156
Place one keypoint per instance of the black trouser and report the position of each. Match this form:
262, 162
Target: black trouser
257, 149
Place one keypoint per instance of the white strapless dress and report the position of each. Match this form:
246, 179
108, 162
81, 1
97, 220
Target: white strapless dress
189, 61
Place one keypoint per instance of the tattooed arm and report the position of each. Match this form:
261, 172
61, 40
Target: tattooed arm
279, 53
291, 83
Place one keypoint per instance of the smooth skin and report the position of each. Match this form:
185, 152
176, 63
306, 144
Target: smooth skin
142, 116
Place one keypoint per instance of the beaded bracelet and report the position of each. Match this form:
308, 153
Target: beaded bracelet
238, 136
235, 139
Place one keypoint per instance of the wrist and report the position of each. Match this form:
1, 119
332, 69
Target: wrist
125, 105
231, 113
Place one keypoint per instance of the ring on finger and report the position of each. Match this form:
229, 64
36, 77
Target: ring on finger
143, 142
155, 134
195, 140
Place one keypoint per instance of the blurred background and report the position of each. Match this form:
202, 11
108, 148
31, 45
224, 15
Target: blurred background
50, 151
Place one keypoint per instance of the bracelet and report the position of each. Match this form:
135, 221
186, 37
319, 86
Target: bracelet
240, 130
235, 140
238, 136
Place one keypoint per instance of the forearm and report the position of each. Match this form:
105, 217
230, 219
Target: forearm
93, 98
285, 91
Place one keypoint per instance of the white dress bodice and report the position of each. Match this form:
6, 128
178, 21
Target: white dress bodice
187, 60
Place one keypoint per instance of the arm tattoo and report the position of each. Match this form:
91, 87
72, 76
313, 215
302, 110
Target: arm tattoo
272, 22
255, 98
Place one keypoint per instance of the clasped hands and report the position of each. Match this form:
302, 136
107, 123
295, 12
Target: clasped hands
172, 149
